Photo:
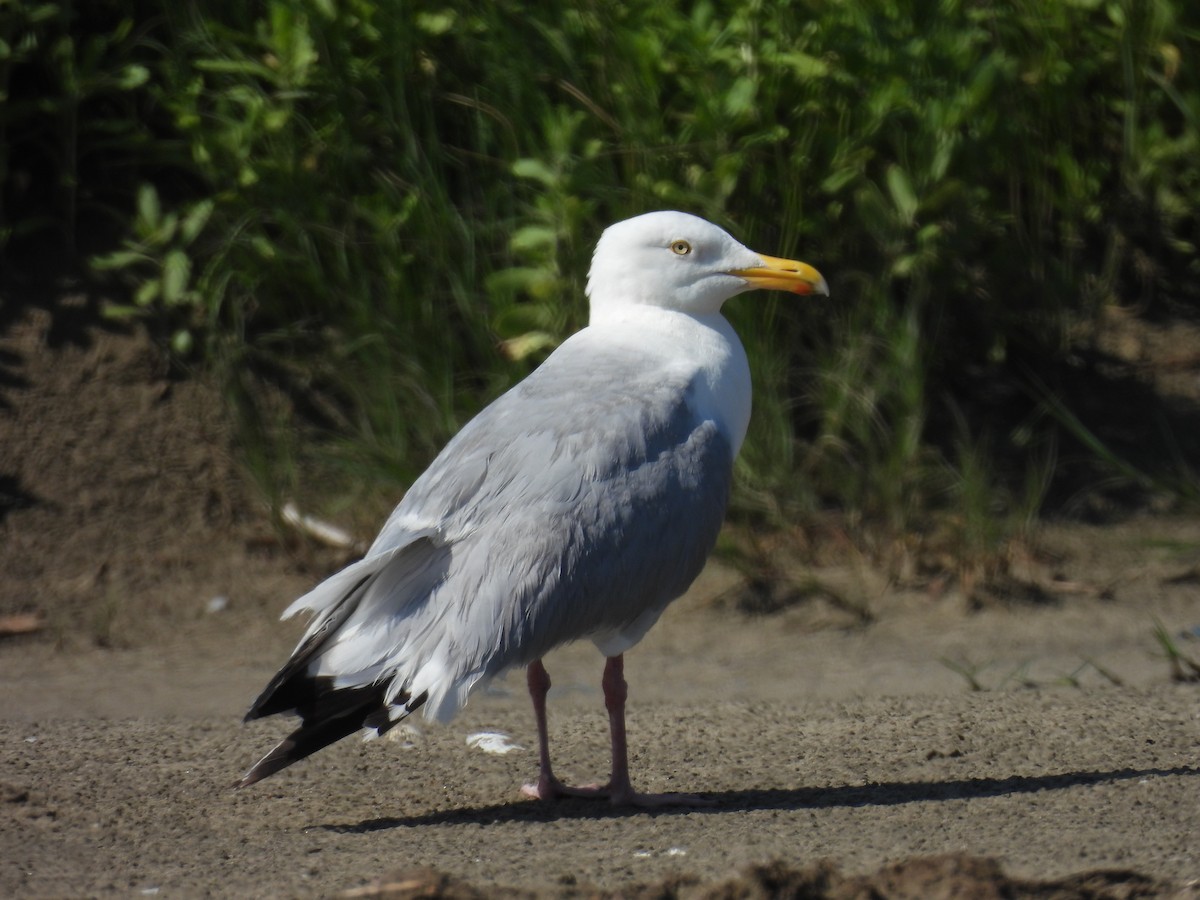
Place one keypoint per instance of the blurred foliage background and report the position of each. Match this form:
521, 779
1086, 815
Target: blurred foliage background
371, 218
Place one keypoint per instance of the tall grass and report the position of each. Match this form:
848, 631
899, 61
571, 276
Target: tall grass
384, 213
73, 81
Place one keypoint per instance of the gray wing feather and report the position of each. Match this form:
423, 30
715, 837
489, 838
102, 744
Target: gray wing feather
577, 505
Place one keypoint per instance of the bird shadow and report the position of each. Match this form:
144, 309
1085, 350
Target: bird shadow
891, 793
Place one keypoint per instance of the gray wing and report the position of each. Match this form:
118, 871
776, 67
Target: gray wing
577, 505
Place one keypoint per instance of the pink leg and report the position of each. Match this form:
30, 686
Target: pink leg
616, 691
619, 791
548, 787
539, 686
538, 679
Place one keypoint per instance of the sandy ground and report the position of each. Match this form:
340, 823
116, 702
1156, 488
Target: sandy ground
857, 757
116, 770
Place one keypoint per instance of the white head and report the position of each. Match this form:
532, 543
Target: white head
677, 261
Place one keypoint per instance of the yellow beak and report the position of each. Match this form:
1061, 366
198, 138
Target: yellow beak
778, 274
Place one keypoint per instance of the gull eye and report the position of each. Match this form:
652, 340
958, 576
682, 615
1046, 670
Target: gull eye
681, 248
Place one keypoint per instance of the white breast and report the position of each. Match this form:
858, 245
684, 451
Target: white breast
693, 345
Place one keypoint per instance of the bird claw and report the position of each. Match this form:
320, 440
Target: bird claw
551, 789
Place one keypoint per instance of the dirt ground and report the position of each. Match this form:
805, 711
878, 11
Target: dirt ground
841, 759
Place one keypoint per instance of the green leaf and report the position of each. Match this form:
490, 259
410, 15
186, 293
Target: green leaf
536, 170
929, 233
195, 220
275, 119
520, 278
181, 342
147, 292
740, 99
132, 77
176, 269
119, 259
838, 179
804, 65
904, 265
235, 67
262, 246
436, 23
532, 237
148, 207
902, 193
166, 228
117, 312
519, 318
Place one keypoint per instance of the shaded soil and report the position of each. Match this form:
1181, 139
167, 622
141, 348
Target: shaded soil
843, 759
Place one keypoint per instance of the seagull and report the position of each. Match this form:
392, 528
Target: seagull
579, 504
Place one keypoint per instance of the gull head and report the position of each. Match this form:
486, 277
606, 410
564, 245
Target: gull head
681, 262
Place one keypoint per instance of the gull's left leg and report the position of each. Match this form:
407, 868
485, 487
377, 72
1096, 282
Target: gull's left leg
619, 789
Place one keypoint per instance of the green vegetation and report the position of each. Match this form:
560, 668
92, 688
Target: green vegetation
373, 217
1183, 667
1019, 677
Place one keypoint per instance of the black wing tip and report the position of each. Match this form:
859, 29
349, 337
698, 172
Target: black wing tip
267, 766
287, 692
328, 715
256, 711
291, 749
